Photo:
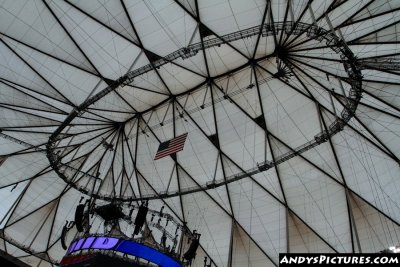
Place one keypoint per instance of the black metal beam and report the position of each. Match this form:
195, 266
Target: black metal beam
346, 22
13, 86
260, 32
50, 55
372, 32
39, 75
342, 176
369, 17
70, 36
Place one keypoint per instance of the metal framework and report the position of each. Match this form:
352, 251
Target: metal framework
312, 31
384, 64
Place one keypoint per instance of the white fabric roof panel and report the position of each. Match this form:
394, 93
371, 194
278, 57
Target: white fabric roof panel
250, 90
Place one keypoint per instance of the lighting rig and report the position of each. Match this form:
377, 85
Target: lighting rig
127, 235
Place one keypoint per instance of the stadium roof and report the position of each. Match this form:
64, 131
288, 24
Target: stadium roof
291, 109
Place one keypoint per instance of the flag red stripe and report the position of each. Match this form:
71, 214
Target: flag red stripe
166, 154
175, 145
169, 151
171, 147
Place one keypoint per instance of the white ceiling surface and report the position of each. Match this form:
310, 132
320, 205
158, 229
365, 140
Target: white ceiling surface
332, 198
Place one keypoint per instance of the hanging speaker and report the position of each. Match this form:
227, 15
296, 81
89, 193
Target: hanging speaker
79, 217
140, 218
191, 252
63, 235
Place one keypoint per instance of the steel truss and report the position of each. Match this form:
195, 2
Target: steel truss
351, 65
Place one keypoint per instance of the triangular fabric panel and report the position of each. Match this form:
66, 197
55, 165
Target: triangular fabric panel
316, 198
245, 252
260, 215
210, 220
302, 239
374, 231
40, 222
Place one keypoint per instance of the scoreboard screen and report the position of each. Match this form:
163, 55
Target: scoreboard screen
127, 247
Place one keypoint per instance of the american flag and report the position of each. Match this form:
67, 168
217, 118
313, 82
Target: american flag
171, 146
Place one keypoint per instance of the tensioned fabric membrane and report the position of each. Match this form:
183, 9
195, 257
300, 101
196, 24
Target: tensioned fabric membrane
292, 110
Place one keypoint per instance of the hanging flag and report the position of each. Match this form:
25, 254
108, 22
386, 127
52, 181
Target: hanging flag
170, 147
